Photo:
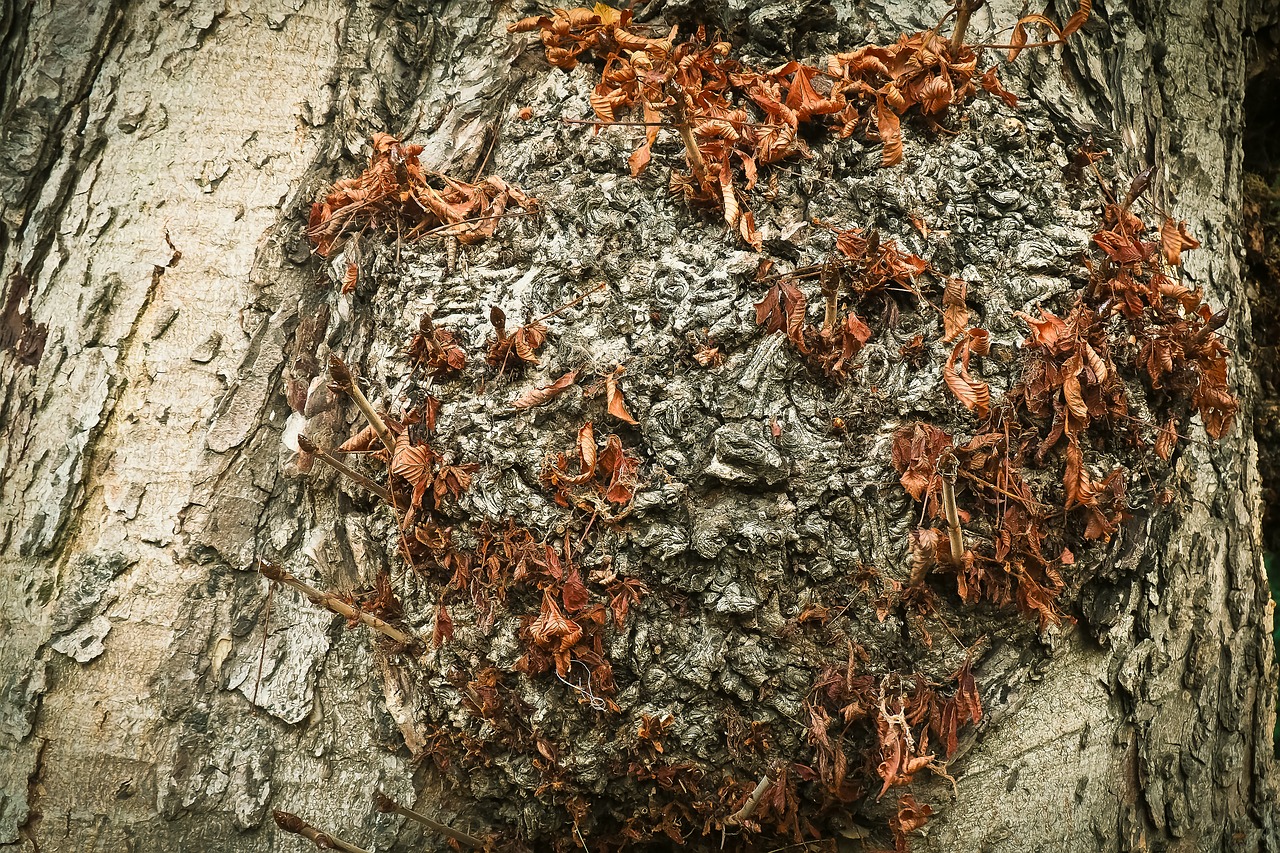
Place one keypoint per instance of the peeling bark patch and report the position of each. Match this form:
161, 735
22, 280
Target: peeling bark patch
18, 334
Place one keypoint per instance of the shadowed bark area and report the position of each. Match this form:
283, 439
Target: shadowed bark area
157, 169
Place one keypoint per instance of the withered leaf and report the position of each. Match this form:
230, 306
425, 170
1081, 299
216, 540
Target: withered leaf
415, 463
623, 594
992, 84
538, 396
973, 394
574, 592
955, 313
916, 450
518, 349
553, 629
452, 481
1174, 240
890, 130
361, 441
443, 629
783, 309
1047, 330
1080, 486
617, 405
1168, 439
621, 468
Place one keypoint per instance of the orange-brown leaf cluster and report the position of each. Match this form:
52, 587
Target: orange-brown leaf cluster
398, 195
610, 474
735, 118
517, 349
434, 349
1009, 565
1176, 332
898, 721
861, 268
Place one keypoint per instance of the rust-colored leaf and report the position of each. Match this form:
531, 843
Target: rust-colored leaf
574, 592
782, 308
538, 396
973, 394
554, 630
1017, 41
1077, 20
992, 84
613, 394
1071, 388
415, 463
1080, 486
1047, 330
1174, 240
443, 629
955, 313
1168, 439
622, 470
890, 130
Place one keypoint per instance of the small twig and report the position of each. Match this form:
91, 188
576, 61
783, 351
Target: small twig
346, 383
691, 150
323, 840
440, 229
964, 10
830, 279
1032, 505
753, 801
954, 532
308, 446
565, 307
385, 804
331, 602
266, 627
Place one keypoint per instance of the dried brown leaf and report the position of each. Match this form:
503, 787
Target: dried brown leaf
538, 396
613, 394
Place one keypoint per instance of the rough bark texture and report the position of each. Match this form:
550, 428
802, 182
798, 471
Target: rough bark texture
142, 467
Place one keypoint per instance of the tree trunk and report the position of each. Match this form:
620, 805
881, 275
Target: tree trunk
165, 329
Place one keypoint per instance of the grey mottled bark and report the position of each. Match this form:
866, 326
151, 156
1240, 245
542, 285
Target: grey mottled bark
142, 467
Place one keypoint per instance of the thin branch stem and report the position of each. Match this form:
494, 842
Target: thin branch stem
753, 801
385, 804
439, 229
692, 153
345, 381
964, 10
308, 446
323, 840
954, 532
565, 307
334, 603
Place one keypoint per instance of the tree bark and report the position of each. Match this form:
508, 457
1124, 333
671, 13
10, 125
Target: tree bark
156, 167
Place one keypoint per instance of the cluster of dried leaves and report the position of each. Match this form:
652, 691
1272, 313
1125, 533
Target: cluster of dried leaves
868, 272
1004, 560
396, 195
888, 725
1071, 394
735, 119
423, 488
609, 474
1176, 332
